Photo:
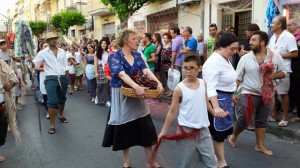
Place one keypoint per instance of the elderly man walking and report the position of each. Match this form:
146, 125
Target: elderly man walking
56, 81
293, 26
283, 43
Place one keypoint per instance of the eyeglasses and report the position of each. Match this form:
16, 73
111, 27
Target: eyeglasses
191, 69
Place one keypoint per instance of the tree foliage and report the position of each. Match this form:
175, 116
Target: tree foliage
125, 8
64, 20
38, 27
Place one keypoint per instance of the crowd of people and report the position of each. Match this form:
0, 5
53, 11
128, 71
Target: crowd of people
215, 74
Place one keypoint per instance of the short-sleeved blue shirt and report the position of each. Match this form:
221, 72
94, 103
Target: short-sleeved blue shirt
118, 63
192, 44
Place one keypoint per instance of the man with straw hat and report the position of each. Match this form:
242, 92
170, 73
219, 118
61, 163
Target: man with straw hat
56, 81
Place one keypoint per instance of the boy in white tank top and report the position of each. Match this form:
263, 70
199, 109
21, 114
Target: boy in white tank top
190, 100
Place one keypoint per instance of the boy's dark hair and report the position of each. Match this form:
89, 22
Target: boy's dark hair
263, 36
191, 56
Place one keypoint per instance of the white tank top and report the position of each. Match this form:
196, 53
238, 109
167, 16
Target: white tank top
193, 109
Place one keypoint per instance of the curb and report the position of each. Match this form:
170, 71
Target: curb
291, 132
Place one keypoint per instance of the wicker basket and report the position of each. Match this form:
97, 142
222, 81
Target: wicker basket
149, 93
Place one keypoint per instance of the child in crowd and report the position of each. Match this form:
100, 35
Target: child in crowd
72, 75
108, 77
190, 100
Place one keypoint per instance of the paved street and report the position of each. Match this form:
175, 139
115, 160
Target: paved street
78, 143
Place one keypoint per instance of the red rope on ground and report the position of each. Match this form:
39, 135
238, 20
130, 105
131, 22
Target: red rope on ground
175, 136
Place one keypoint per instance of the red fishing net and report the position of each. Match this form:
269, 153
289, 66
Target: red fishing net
267, 88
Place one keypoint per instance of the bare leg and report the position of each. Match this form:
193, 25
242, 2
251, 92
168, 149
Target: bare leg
61, 108
51, 112
260, 139
148, 151
233, 138
285, 106
126, 158
219, 151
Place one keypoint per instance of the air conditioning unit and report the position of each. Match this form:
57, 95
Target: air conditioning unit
187, 1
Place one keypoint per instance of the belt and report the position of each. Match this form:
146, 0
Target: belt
58, 78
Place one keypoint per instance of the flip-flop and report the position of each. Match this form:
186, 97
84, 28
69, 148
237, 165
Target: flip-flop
51, 131
283, 123
63, 119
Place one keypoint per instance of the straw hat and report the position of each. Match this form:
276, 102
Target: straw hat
50, 35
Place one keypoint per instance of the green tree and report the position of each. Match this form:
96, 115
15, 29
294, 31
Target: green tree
64, 20
125, 8
38, 27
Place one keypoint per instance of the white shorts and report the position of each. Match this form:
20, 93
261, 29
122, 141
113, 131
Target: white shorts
283, 85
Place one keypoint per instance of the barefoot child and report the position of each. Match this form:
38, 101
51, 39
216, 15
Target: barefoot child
190, 100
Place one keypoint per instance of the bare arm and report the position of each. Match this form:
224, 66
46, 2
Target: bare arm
173, 111
158, 49
152, 59
290, 55
96, 66
173, 59
205, 52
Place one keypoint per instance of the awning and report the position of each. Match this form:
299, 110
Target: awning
100, 12
162, 7
286, 2
224, 1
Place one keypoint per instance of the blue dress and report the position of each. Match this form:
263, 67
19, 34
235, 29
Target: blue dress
129, 122
92, 83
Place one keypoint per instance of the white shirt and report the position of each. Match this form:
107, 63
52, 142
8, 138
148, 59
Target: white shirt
104, 59
249, 74
193, 108
76, 56
219, 75
285, 44
54, 65
4, 56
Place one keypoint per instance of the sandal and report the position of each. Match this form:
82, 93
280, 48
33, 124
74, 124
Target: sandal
270, 119
63, 119
51, 131
283, 123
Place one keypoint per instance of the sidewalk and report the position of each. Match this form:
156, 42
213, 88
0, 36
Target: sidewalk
291, 132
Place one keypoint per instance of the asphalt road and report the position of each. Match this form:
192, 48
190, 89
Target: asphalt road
78, 143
